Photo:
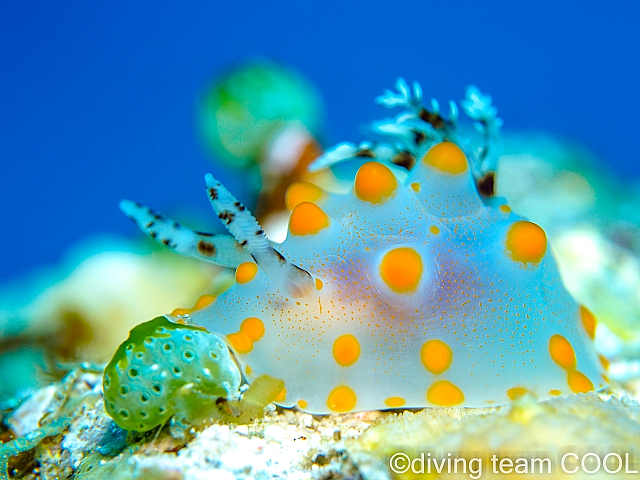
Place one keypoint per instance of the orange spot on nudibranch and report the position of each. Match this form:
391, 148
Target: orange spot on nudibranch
375, 183
395, 402
301, 192
307, 219
436, 356
246, 271
516, 392
341, 399
505, 208
346, 350
302, 404
204, 301
318, 284
562, 352
589, 321
416, 188
578, 382
253, 328
555, 392
526, 242
240, 342
401, 269
446, 157
604, 362
282, 396
444, 394
435, 230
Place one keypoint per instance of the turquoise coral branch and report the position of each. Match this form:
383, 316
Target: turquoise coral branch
26, 443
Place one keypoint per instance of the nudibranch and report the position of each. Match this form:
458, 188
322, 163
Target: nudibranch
411, 290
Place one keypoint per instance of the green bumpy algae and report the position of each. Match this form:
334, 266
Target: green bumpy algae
144, 378
166, 370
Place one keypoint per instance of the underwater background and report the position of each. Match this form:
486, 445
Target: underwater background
99, 101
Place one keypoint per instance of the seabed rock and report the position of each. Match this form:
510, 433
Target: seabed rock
77, 439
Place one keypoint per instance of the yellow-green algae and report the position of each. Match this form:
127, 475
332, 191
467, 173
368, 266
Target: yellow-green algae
576, 424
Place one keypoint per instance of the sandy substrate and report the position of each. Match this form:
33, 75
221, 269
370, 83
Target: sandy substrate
85, 443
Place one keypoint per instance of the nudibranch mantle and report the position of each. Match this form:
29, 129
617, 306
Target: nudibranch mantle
408, 291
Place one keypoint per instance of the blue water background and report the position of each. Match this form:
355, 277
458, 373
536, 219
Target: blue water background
97, 99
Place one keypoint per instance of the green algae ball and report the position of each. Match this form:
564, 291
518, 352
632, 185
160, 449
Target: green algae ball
252, 103
142, 381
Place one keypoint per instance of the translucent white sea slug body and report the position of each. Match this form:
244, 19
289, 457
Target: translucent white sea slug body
410, 290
